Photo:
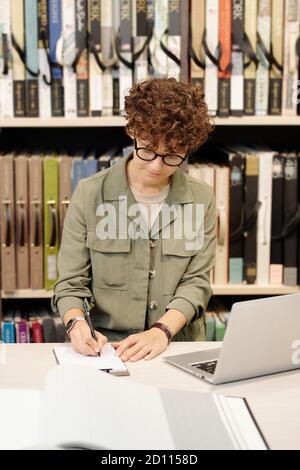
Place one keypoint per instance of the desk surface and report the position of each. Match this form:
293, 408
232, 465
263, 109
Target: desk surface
274, 399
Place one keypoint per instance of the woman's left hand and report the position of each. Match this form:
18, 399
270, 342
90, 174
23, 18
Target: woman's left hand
145, 345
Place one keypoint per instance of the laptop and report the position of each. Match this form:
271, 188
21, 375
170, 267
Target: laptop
262, 337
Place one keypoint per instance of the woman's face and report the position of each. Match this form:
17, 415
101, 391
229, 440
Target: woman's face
154, 171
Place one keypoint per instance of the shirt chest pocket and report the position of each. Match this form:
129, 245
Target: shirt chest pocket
175, 257
110, 261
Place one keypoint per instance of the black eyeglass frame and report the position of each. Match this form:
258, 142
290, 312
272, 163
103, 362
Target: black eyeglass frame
158, 155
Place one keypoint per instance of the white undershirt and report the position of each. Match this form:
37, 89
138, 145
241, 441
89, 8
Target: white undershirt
150, 206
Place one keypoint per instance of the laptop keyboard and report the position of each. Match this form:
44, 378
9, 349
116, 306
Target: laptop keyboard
209, 366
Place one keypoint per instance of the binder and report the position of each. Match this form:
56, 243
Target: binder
7, 213
236, 241
264, 216
78, 171
222, 241
237, 59
211, 58
140, 37
250, 58
291, 219
124, 51
290, 60
262, 73
35, 169
82, 67
50, 169
55, 29
159, 59
197, 61
108, 54
6, 80
69, 55
95, 58
22, 222
251, 213
277, 40
184, 33
277, 221
31, 40
174, 39
225, 25
65, 187
18, 69
44, 79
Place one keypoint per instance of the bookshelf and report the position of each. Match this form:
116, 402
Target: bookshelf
119, 121
234, 289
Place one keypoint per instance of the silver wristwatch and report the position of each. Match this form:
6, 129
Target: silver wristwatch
71, 323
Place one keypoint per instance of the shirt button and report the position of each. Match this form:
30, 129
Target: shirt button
152, 274
153, 244
153, 305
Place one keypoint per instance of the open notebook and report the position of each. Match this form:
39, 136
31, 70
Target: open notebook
108, 361
82, 407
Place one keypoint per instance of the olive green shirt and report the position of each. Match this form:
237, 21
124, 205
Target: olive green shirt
132, 281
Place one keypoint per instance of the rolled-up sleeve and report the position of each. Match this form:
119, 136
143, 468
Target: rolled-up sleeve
74, 264
194, 290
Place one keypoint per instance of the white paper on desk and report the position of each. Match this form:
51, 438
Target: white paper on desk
81, 406
19, 419
107, 360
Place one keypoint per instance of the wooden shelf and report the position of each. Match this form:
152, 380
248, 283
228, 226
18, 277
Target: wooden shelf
118, 121
27, 294
244, 289
234, 289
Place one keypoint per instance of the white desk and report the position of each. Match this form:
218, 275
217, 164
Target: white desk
274, 399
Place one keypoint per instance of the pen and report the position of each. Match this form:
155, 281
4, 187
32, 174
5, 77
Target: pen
88, 319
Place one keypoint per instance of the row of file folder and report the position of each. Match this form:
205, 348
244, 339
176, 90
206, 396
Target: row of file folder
35, 192
36, 324
258, 214
67, 58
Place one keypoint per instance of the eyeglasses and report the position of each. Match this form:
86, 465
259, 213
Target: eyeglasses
148, 155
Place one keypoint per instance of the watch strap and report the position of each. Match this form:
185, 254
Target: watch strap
165, 329
71, 323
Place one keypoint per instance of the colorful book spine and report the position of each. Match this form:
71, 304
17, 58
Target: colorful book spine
22, 332
8, 332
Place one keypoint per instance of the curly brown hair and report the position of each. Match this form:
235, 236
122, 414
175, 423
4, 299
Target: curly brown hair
164, 109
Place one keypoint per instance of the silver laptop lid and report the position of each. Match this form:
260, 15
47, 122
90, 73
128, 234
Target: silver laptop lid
262, 337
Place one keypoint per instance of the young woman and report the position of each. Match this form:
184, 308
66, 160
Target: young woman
132, 243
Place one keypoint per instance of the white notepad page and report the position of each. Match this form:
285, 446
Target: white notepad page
107, 360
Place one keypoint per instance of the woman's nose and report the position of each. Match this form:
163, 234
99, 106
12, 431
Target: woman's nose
157, 164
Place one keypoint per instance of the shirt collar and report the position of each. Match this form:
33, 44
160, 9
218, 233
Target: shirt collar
116, 185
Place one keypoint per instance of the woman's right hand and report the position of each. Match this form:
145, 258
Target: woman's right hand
83, 342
